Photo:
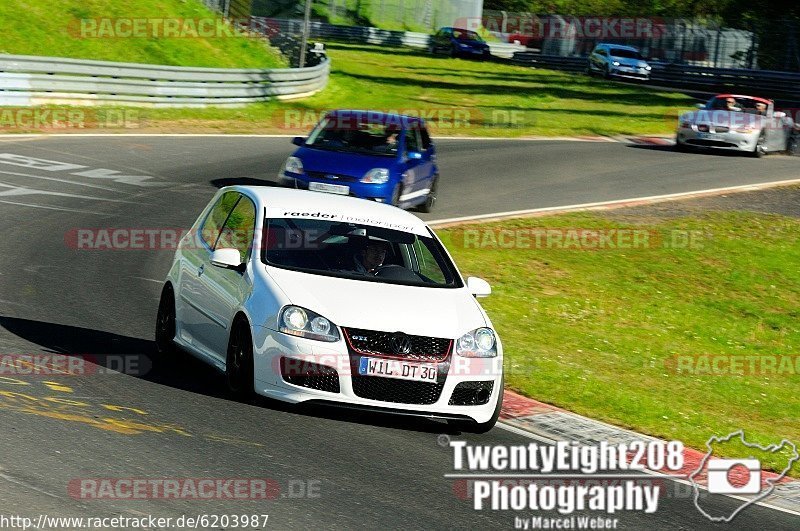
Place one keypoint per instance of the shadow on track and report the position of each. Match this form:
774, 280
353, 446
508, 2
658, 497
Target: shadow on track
697, 151
138, 358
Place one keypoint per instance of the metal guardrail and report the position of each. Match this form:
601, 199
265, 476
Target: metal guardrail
767, 83
32, 80
367, 35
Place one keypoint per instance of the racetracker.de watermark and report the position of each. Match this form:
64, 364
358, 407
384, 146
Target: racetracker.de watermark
733, 364
439, 119
27, 118
577, 238
46, 365
551, 27
192, 488
173, 28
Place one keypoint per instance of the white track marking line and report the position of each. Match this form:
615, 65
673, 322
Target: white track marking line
67, 181
63, 209
36, 191
149, 279
615, 202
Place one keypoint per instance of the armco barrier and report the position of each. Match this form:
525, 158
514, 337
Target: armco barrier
767, 83
32, 80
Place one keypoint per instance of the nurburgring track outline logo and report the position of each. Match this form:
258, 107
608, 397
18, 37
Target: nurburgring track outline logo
772, 448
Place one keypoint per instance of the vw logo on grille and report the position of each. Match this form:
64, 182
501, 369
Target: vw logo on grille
400, 343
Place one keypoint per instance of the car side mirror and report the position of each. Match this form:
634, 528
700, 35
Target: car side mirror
700, 105
414, 155
227, 259
298, 140
478, 287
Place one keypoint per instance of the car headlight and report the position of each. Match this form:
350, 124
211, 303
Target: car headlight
648, 67
376, 176
293, 165
298, 321
615, 63
479, 343
745, 130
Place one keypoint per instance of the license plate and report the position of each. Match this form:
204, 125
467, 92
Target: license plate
703, 135
397, 369
329, 188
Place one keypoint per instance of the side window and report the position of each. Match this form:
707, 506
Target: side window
601, 51
412, 139
216, 218
427, 264
239, 229
426, 139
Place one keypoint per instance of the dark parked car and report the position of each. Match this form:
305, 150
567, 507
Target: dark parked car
459, 43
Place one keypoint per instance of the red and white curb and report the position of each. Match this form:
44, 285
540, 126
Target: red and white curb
548, 423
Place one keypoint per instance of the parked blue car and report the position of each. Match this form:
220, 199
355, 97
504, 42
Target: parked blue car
459, 43
384, 157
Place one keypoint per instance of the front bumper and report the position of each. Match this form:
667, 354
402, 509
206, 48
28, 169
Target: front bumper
375, 192
641, 74
389, 394
730, 140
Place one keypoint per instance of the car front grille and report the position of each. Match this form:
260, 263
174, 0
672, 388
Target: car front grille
422, 348
397, 391
310, 375
337, 177
472, 393
721, 129
710, 143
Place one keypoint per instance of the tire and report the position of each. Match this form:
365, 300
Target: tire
681, 147
165, 325
793, 145
395, 201
481, 427
430, 201
606, 73
758, 151
453, 53
239, 364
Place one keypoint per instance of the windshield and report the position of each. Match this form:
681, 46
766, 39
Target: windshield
466, 35
361, 252
378, 137
625, 54
737, 104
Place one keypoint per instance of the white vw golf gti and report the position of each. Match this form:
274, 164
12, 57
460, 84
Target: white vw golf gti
302, 296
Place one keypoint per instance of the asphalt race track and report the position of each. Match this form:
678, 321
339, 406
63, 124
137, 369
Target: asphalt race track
362, 471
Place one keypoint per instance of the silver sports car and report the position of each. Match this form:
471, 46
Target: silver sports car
736, 123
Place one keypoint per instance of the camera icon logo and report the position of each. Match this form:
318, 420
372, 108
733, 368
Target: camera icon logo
734, 476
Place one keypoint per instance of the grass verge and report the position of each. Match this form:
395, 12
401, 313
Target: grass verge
620, 334
458, 97
55, 28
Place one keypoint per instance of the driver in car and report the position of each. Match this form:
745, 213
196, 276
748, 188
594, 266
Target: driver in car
371, 256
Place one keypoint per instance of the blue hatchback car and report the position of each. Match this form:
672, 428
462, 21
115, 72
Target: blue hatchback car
384, 157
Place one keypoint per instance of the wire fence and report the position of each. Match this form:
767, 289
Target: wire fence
773, 45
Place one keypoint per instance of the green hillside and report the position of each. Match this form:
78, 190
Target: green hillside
167, 32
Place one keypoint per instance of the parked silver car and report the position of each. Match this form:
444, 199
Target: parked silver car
737, 123
615, 60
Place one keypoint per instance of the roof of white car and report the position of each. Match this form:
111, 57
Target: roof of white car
288, 202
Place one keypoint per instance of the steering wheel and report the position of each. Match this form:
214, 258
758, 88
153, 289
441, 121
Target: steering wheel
385, 270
